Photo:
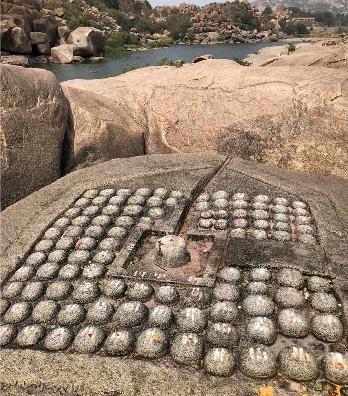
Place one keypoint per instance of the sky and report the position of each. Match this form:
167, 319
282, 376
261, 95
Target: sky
155, 3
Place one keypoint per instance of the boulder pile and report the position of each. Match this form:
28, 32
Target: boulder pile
31, 34
83, 42
27, 28
217, 22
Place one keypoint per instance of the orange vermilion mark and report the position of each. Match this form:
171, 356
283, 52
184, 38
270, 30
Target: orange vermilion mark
267, 391
336, 391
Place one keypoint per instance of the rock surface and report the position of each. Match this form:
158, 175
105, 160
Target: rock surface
202, 58
63, 53
20, 21
16, 40
333, 6
40, 372
63, 33
28, 28
305, 54
88, 41
267, 54
221, 22
106, 130
294, 117
43, 49
47, 24
38, 37
35, 133
15, 60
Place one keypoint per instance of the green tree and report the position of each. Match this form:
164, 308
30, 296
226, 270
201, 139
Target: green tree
301, 29
162, 42
120, 39
170, 62
326, 18
121, 19
291, 48
77, 21
190, 36
294, 29
116, 43
178, 25
145, 24
112, 4
267, 12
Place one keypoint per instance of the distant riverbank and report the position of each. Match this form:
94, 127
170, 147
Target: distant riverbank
136, 59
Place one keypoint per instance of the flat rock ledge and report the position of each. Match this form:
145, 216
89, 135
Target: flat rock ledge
291, 117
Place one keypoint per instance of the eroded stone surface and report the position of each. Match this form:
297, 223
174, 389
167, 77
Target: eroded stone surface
258, 305
262, 330
89, 339
120, 342
299, 364
204, 313
131, 313
161, 316
293, 323
187, 349
222, 335
335, 366
191, 320
258, 362
58, 339
327, 327
258, 219
152, 343
30, 335
219, 361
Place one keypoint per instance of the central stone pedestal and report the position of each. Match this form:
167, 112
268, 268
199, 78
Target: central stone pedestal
171, 251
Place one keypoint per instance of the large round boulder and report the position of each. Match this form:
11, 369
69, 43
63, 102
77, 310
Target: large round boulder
89, 41
293, 117
35, 134
106, 130
63, 53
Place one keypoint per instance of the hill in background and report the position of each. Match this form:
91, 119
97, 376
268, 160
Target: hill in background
335, 6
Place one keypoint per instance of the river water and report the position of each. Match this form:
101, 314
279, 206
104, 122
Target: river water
134, 60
